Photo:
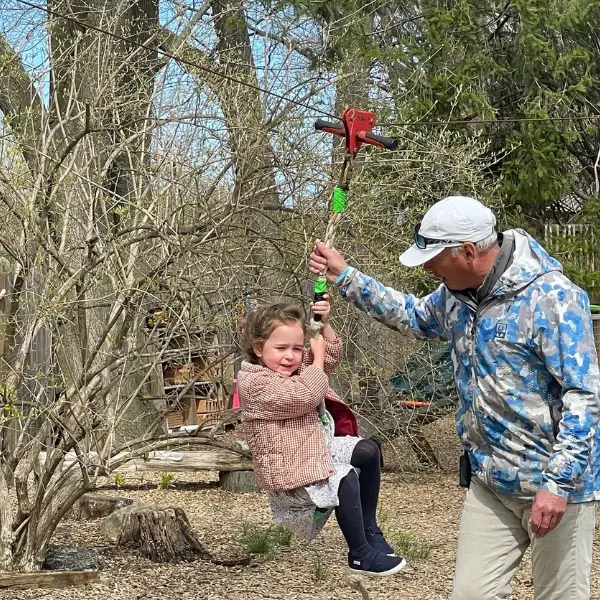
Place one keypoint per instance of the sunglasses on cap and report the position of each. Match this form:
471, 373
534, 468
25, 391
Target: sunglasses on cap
422, 242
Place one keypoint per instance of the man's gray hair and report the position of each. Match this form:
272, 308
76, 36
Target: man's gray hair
482, 245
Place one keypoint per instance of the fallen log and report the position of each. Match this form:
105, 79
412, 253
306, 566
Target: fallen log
166, 461
97, 506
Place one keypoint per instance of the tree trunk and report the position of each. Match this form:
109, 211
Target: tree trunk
87, 155
253, 157
115, 95
422, 448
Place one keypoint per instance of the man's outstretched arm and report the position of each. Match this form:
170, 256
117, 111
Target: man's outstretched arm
421, 317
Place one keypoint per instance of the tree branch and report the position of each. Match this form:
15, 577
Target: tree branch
20, 103
291, 45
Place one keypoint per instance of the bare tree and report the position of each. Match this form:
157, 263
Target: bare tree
145, 170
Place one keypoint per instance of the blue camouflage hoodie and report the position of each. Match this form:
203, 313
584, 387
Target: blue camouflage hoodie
525, 366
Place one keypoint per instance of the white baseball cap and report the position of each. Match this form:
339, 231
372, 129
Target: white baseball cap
447, 224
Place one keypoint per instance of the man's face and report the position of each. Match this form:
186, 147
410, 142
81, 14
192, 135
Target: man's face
456, 272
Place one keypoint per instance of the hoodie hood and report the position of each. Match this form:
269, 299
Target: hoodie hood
530, 261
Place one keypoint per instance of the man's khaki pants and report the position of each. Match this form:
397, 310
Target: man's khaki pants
494, 535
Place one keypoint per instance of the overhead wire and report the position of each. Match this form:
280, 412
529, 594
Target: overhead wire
416, 123
489, 121
178, 59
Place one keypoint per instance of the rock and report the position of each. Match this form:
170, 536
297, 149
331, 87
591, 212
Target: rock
97, 506
238, 481
70, 558
113, 524
241, 446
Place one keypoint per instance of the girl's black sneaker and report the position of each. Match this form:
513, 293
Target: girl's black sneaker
376, 540
376, 563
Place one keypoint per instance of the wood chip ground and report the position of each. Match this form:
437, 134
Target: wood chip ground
424, 506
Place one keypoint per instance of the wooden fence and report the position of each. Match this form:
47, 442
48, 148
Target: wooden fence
576, 247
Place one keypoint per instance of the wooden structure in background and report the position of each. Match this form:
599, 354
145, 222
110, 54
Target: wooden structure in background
195, 393
191, 379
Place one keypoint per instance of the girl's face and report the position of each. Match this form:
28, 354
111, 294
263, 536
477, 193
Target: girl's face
282, 350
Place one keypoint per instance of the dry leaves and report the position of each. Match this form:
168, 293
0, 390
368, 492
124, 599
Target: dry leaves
424, 506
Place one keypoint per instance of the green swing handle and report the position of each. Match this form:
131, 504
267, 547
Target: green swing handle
319, 293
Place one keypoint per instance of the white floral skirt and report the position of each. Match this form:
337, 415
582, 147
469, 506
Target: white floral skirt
305, 510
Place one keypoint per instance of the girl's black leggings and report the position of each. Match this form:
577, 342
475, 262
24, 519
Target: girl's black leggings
358, 496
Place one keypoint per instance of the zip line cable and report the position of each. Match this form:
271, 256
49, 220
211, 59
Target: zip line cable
184, 61
490, 121
190, 63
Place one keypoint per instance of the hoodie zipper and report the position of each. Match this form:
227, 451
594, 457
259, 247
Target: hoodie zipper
476, 392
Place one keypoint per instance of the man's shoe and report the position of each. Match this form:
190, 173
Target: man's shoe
376, 564
376, 540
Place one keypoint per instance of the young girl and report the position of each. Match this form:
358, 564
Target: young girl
304, 440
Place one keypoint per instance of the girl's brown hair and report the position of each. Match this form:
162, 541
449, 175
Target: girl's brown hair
261, 322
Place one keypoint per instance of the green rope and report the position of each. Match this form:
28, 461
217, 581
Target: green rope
338, 200
338, 204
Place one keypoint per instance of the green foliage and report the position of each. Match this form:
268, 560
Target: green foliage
119, 480
256, 540
10, 410
320, 570
264, 540
8, 393
500, 61
520, 60
166, 481
410, 547
483, 59
579, 251
282, 536
382, 515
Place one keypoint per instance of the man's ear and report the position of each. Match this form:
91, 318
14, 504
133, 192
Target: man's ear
257, 349
469, 250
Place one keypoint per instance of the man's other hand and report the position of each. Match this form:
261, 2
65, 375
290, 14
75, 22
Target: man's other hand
546, 512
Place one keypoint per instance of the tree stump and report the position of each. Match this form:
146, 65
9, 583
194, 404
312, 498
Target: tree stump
238, 481
162, 534
97, 506
422, 448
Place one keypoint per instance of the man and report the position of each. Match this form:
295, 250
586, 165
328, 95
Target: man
526, 372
